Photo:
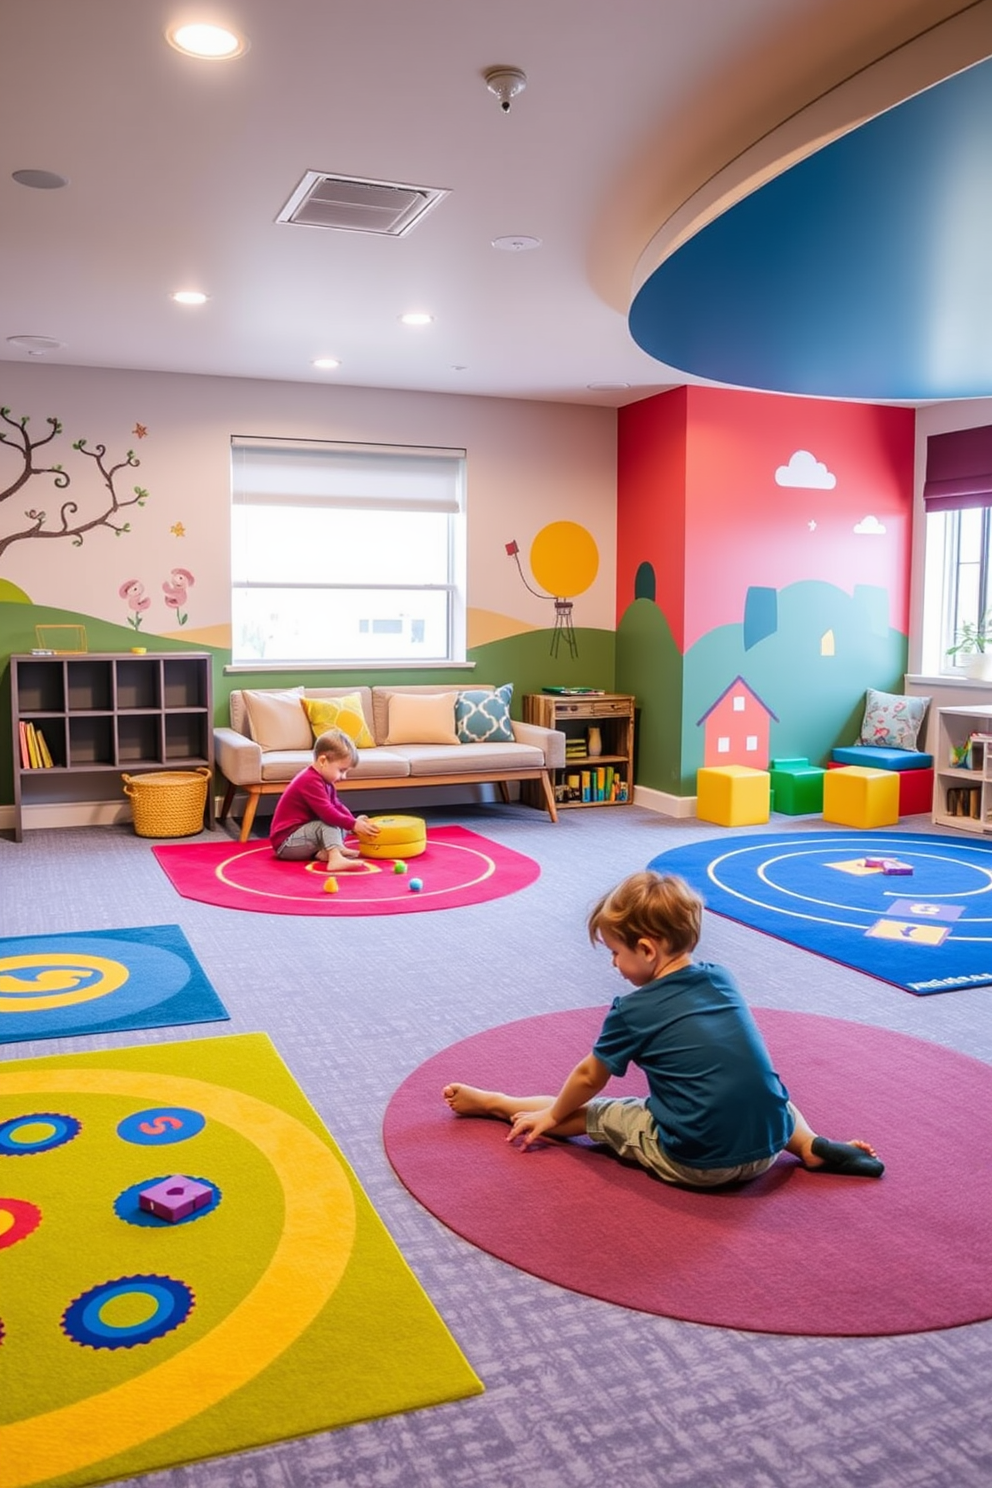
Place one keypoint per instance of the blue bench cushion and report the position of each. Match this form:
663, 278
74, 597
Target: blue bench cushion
874, 758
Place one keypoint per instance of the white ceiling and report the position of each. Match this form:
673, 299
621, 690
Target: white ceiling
177, 169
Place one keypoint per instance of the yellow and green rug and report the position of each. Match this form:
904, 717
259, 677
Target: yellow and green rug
279, 1307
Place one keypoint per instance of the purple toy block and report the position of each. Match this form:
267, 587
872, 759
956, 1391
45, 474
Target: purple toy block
174, 1198
892, 869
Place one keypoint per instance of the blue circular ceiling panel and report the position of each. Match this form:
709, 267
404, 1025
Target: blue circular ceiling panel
865, 271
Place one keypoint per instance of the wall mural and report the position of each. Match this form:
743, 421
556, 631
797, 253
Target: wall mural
564, 559
72, 518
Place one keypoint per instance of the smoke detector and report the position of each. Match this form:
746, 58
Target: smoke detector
505, 83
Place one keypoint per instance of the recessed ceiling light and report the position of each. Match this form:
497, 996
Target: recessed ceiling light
189, 297
516, 243
416, 318
34, 345
41, 180
211, 43
326, 364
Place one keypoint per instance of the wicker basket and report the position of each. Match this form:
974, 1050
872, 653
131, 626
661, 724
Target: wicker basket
168, 803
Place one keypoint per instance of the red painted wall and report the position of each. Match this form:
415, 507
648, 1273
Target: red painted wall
698, 499
744, 529
651, 508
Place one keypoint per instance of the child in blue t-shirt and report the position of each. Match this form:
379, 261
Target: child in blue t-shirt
716, 1111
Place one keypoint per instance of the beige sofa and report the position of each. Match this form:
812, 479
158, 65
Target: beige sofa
265, 768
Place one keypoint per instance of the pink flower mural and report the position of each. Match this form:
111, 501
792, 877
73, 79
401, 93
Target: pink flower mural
133, 590
180, 581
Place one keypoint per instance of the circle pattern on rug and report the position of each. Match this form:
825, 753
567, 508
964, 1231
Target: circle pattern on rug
926, 930
792, 1252
39, 989
128, 1311
458, 867
291, 1212
37, 1131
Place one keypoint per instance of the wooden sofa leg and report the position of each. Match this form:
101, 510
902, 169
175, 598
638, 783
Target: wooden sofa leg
549, 796
226, 804
251, 806
504, 790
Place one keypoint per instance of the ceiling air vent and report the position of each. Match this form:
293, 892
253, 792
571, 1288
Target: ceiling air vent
350, 204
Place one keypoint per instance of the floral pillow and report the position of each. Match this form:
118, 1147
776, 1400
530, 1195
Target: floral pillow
482, 715
891, 721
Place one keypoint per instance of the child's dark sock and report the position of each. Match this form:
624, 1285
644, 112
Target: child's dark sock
843, 1157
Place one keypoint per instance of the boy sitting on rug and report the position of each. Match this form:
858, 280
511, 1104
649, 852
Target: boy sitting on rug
310, 818
716, 1111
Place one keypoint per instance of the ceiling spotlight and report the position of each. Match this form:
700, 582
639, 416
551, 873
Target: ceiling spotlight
211, 43
189, 297
41, 180
416, 318
506, 83
325, 364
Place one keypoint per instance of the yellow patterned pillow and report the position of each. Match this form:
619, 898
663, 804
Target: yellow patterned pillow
344, 713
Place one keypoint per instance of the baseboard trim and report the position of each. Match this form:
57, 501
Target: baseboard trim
664, 803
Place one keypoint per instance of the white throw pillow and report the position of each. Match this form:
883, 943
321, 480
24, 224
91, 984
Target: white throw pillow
277, 719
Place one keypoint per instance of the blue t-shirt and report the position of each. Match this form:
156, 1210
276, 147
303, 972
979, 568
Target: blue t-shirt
713, 1092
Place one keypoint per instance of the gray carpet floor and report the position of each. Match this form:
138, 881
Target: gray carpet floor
578, 1392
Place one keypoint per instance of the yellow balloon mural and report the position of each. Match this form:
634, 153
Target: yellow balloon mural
564, 559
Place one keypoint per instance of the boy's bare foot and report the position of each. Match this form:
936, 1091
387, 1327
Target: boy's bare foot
855, 1158
350, 852
468, 1100
335, 860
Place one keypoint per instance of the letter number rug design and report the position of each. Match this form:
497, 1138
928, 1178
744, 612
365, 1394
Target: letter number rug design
276, 1307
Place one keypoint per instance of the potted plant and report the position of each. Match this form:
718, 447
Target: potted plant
974, 639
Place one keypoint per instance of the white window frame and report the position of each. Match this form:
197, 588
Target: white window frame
301, 473
947, 601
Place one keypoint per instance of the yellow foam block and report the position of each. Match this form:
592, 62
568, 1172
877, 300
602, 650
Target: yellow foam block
856, 796
399, 837
732, 795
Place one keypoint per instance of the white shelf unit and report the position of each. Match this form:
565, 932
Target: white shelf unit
962, 796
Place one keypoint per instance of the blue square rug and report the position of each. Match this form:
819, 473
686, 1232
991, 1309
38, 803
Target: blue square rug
102, 981
925, 925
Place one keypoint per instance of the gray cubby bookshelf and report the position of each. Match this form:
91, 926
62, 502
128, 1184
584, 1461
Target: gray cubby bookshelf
106, 715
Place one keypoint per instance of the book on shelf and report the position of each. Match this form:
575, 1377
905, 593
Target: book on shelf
33, 747
575, 691
22, 732
43, 750
586, 777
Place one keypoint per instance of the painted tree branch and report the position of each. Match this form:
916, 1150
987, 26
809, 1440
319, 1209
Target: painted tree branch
67, 522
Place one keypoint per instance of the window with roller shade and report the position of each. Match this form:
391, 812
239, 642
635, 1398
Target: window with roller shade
346, 554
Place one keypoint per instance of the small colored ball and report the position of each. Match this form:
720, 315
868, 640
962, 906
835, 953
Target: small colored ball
416, 884
330, 886
399, 867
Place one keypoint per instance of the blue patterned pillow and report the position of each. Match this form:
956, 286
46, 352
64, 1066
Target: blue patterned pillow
482, 716
891, 721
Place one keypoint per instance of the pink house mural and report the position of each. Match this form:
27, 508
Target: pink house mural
738, 725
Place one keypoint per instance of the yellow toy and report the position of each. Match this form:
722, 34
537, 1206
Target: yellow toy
330, 886
399, 837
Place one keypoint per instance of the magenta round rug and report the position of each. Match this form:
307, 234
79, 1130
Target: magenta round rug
793, 1252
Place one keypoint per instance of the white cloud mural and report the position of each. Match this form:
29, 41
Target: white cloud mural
806, 472
869, 527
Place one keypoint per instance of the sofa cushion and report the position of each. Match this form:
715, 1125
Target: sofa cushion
422, 718
276, 720
344, 713
482, 715
427, 759
892, 721
373, 764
